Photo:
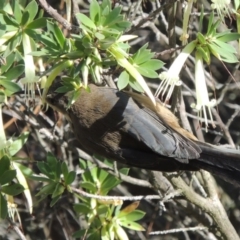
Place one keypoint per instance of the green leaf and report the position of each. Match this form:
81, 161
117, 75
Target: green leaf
147, 72
43, 53
14, 73
123, 80
89, 186
17, 144
37, 23
46, 170
64, 169
4, 164
101, 175
86, 21
210, 22
57, 33
204, 52
54, 200
12, 44
13, 189
39, 178
135, 85
221, 34
82, 208
32, 8
3, 207
54, 165
9, 61
225, 46
112, 17
47, 41
94, 236
142, 55
213, 29
25, 18
95, 11
102, 209
131, 225
83, 164
64, 89
59, 189
10, 87
127, 210
105, 11
26, 171
133, 216
201, 19
17, 11
51, 160
124, 171
7, 176
99, 36
152, 64
109, 183
122, 26
70, 178
47, 189
106, 4
225, 55
10, 20
2, 4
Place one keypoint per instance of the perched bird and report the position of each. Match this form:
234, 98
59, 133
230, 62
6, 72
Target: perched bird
127, 127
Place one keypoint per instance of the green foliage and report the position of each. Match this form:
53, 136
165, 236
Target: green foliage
104, 216
145, 65
213, 43
7, 186
16, 21
56, 176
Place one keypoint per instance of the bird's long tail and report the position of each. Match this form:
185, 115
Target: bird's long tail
222, 162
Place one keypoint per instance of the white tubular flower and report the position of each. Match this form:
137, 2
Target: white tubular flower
201, 92
170, 78
30, 76
222, 7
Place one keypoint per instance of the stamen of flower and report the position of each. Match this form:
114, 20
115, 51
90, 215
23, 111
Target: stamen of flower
170, 78
222, 7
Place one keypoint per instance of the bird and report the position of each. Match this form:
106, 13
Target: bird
127, 127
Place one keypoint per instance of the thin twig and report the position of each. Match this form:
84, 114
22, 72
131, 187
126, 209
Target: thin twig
53, 13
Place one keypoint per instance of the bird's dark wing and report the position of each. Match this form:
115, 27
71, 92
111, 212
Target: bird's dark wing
145, 126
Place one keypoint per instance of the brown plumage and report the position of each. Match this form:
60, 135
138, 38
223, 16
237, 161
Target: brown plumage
127, 127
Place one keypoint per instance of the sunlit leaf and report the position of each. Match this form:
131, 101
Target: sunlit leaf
37, 23
32, 8
18, 143
86, 21
123, 80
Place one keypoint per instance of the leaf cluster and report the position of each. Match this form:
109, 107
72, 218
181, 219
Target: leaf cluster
105, 217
